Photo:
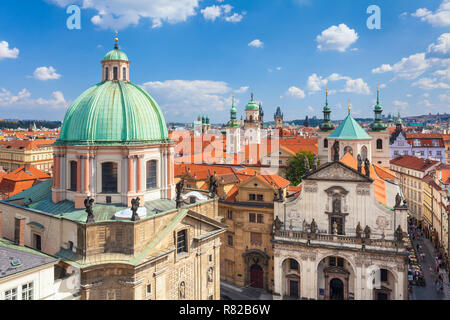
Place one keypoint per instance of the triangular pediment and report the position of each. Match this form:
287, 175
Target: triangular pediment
337, 171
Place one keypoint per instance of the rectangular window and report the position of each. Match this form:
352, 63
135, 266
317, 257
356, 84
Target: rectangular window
27, 291
149, 288
151, 174
37, 242
181, 241
124, 74
16, 230
260, 197
251, 197
252, 217
260, 218
229, 215
255, 238
11, 294
230, 241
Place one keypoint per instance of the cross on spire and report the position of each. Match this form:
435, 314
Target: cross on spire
116, 39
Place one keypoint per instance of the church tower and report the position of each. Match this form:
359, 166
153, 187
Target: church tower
326, 127
278, 119
233, 134
380, 142
252, 127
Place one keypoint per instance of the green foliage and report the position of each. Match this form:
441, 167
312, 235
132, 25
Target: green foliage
296, 166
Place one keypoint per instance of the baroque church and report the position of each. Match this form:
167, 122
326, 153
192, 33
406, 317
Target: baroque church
112, 213
342, 237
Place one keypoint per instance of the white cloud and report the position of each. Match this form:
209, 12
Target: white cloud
256, 43
441, 47
6, 52
443, 74
400, 104
295, 92
242, 89
310, 109
191, 96
337, 38
212, 12
119, 14
46, 73
426, 95
316, 83
23, 98
439, 18
430, 84
407, 68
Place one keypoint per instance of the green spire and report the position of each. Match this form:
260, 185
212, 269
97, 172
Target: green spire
326, 125
378, 124
233, 122
399, 119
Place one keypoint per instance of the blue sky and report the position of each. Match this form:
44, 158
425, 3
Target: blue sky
192, 55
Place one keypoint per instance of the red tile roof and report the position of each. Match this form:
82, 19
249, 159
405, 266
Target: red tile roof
21, 179
414, 163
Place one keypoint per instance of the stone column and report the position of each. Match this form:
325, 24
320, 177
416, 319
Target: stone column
277, 276
130, 174
139, 174
86, 174
79, 174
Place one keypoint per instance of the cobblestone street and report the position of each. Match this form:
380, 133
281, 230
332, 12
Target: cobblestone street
428, 264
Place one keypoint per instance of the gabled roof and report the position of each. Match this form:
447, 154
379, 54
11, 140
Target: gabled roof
414, 163
349, 129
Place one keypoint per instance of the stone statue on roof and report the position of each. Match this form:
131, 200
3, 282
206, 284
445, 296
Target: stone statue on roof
358, 230
307, 167
179, 189
89, 203
398, 200
367, 167
213, 184
315, 162
336, 150
134, 208
359, 163
367, 232
313, 226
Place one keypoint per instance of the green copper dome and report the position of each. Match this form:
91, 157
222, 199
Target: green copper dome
115, 54
252, 105
113, 113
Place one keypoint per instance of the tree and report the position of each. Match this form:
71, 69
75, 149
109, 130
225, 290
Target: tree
296, 166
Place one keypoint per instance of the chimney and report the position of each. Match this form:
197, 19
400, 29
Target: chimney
27, 167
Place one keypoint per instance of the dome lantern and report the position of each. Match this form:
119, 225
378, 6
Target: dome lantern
115, 64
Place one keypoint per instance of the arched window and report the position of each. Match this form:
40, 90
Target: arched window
106, 73
325, 143
151, 174
379, 144
251, 118
109, 177
124, 74
363, 153
73, 176
116, 75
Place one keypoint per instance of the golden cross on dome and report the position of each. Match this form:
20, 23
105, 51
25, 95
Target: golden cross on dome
349, 105
116, 39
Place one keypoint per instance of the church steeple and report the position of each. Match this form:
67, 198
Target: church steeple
378, 124
326, 125
233, 121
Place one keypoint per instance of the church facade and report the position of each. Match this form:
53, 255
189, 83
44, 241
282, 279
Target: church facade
342, 237
112, 213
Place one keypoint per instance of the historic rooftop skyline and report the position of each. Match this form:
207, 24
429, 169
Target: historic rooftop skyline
192, 56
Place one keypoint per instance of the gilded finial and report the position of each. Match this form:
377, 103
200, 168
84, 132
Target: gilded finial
349, 106
116, 39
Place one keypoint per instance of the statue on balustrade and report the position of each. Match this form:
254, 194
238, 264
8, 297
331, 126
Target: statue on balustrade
358, 230
367, 232
313, 226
